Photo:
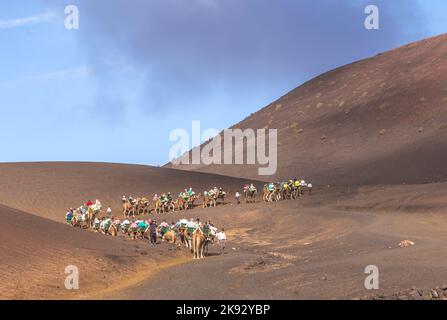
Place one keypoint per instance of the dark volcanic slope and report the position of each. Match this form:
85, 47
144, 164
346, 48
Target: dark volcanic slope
34, 253
49, 189
378, 121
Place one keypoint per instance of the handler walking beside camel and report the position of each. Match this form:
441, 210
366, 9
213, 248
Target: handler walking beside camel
238, 197
153, 232
222, 237
109, 213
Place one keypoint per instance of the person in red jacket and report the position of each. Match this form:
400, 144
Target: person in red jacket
89, 203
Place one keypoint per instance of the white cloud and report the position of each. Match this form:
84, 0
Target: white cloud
20, 22
48, 76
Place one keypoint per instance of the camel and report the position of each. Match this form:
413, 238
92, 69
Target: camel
169, 236
186, 237
128, 209
210, 235
250, 196
174, 204
75, 221
152, 206
265, 193
164, 207
270, 196
144, 234
161, 207
286, 193
166, 234
158, 206
274, 195
92, 213
182, 236
185, 202
198, 243
192, 199
209, 200
133, 232
296, 192
138, 232
110, 229
307, 187
80, 220
171, 205
113, 230
117, 224
125, 228
142, 206
96, 225
221, 195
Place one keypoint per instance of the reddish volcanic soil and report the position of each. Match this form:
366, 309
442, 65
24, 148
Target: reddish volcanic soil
377, 121
35, 251
316, 247
50, 189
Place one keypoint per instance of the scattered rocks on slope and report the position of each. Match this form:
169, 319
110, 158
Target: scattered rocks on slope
438, 293
406, 243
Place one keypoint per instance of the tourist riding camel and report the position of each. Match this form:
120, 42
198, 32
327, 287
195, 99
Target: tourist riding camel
250, 193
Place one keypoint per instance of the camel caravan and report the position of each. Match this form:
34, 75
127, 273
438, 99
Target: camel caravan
276, 191
192, 234
287, 190
187, 199
84, 216
166, 203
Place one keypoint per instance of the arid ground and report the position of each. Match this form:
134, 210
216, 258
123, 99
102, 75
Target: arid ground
314, 247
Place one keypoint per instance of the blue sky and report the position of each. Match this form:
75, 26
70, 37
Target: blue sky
135, 70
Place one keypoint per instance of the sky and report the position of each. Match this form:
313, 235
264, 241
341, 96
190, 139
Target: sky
114, 89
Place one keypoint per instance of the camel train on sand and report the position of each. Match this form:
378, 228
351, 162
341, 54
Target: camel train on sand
191, 234
165, 203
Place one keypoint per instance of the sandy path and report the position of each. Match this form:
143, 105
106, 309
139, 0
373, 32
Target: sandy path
327, 264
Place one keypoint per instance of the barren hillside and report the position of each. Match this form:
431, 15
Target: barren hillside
377, 121
49, 189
